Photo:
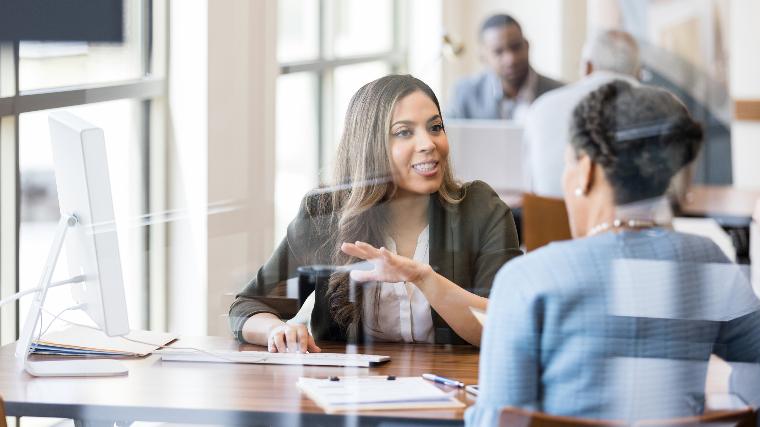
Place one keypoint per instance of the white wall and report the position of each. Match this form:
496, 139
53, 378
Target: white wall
242, 76
458, 19
424, 20
222, 73
744, 66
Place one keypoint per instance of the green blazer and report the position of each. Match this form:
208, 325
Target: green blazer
469, 242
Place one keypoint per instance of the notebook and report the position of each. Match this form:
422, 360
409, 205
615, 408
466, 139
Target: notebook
82, 341
376, 393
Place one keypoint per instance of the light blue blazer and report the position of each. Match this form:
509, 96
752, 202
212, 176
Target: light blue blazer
616, 326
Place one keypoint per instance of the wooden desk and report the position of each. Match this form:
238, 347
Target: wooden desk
221, 393
730, 206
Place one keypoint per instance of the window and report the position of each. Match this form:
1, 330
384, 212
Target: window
47, 65
118, 87
327, 49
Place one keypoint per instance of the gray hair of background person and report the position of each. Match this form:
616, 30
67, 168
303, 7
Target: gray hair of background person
640, 136
613, 50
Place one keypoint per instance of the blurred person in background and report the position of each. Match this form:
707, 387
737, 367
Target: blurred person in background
508, 85
610, 55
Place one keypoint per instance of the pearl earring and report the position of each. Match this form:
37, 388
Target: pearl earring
579, 192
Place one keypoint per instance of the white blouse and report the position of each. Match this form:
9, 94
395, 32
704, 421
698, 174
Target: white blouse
404, 312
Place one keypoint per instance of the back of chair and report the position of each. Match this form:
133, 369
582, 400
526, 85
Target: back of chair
544, 221
740, 418
515, 417
2, 413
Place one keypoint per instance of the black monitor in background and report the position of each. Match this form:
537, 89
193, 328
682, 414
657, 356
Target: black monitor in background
62, 20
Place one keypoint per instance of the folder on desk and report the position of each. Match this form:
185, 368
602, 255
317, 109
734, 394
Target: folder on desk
376, 393
83, 341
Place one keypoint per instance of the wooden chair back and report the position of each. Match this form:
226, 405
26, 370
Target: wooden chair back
544, 220
3, 423
515, 417
738, 418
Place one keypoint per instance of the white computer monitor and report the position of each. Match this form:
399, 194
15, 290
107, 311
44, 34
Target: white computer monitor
92, 247
87, 230
488, 150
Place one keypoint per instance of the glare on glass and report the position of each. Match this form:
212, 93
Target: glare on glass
297, 148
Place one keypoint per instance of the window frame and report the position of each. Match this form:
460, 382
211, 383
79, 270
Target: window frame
150, 89
323, 67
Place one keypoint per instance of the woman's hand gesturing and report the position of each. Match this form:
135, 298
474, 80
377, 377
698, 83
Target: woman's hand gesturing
388, 267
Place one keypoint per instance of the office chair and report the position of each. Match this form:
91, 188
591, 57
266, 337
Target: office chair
737, 418
3, 423
515, 417
544, 220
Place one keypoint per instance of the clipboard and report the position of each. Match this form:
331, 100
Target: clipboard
373, 393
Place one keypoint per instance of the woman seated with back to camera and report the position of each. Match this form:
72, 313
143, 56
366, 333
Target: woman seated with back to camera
601, 326
395, 192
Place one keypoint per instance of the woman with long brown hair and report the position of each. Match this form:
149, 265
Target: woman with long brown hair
434, 245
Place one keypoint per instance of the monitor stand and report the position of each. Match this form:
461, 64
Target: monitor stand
75, 368
58, 368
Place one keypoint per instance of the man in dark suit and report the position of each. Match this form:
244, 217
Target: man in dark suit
508, 85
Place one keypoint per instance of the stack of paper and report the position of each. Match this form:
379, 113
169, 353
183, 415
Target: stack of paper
82, 341
376, 393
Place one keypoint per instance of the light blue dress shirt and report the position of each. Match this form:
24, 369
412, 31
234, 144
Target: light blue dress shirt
615, 326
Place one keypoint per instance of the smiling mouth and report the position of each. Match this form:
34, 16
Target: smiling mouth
425, 167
